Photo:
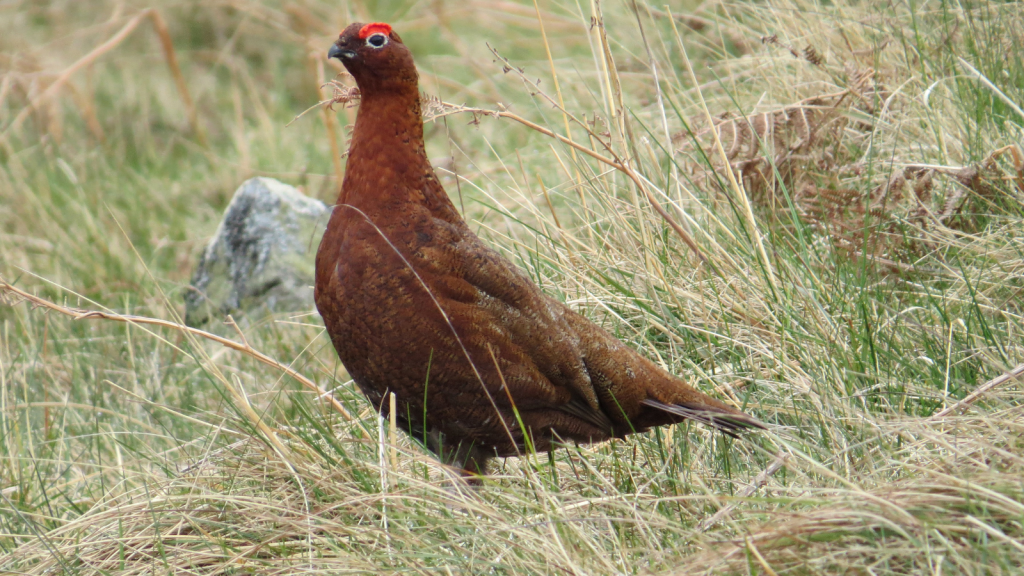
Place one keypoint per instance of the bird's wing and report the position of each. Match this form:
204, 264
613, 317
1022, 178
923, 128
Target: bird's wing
537, 325
634, 384
580, 409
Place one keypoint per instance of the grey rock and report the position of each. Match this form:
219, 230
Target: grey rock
261, 259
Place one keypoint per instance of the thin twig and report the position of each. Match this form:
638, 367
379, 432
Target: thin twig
735, 184
621, 167
448, 109
554, 75
172, 62
82, 62
974, 72
981, 391
760, 481
179, 79
330, 123
80, 314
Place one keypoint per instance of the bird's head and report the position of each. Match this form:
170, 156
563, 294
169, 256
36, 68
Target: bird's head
376, 58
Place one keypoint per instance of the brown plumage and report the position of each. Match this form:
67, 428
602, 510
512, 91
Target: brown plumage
416, 304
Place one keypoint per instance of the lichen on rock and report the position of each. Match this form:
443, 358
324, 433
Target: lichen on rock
261, 258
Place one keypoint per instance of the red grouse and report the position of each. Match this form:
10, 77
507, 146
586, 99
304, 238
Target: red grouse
416, 304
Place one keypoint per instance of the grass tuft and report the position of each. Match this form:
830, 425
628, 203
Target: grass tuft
812, 211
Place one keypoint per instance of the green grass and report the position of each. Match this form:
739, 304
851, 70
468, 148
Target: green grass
128, 449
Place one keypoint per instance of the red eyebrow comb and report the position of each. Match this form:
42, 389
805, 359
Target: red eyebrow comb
371, 29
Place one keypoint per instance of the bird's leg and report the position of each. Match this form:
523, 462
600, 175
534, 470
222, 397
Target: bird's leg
470, 460
474, 468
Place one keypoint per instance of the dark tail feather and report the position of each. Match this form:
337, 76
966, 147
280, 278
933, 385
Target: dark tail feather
727, 422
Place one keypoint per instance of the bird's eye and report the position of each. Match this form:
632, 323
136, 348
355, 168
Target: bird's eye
377, 41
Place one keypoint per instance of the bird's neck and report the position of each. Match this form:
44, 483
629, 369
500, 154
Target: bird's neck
387, 163
383, 114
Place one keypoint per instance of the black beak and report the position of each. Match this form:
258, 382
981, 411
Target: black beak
340, 53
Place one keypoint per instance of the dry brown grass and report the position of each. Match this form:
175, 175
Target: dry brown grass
813, 210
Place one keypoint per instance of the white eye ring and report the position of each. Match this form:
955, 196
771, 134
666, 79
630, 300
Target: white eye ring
382, 38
